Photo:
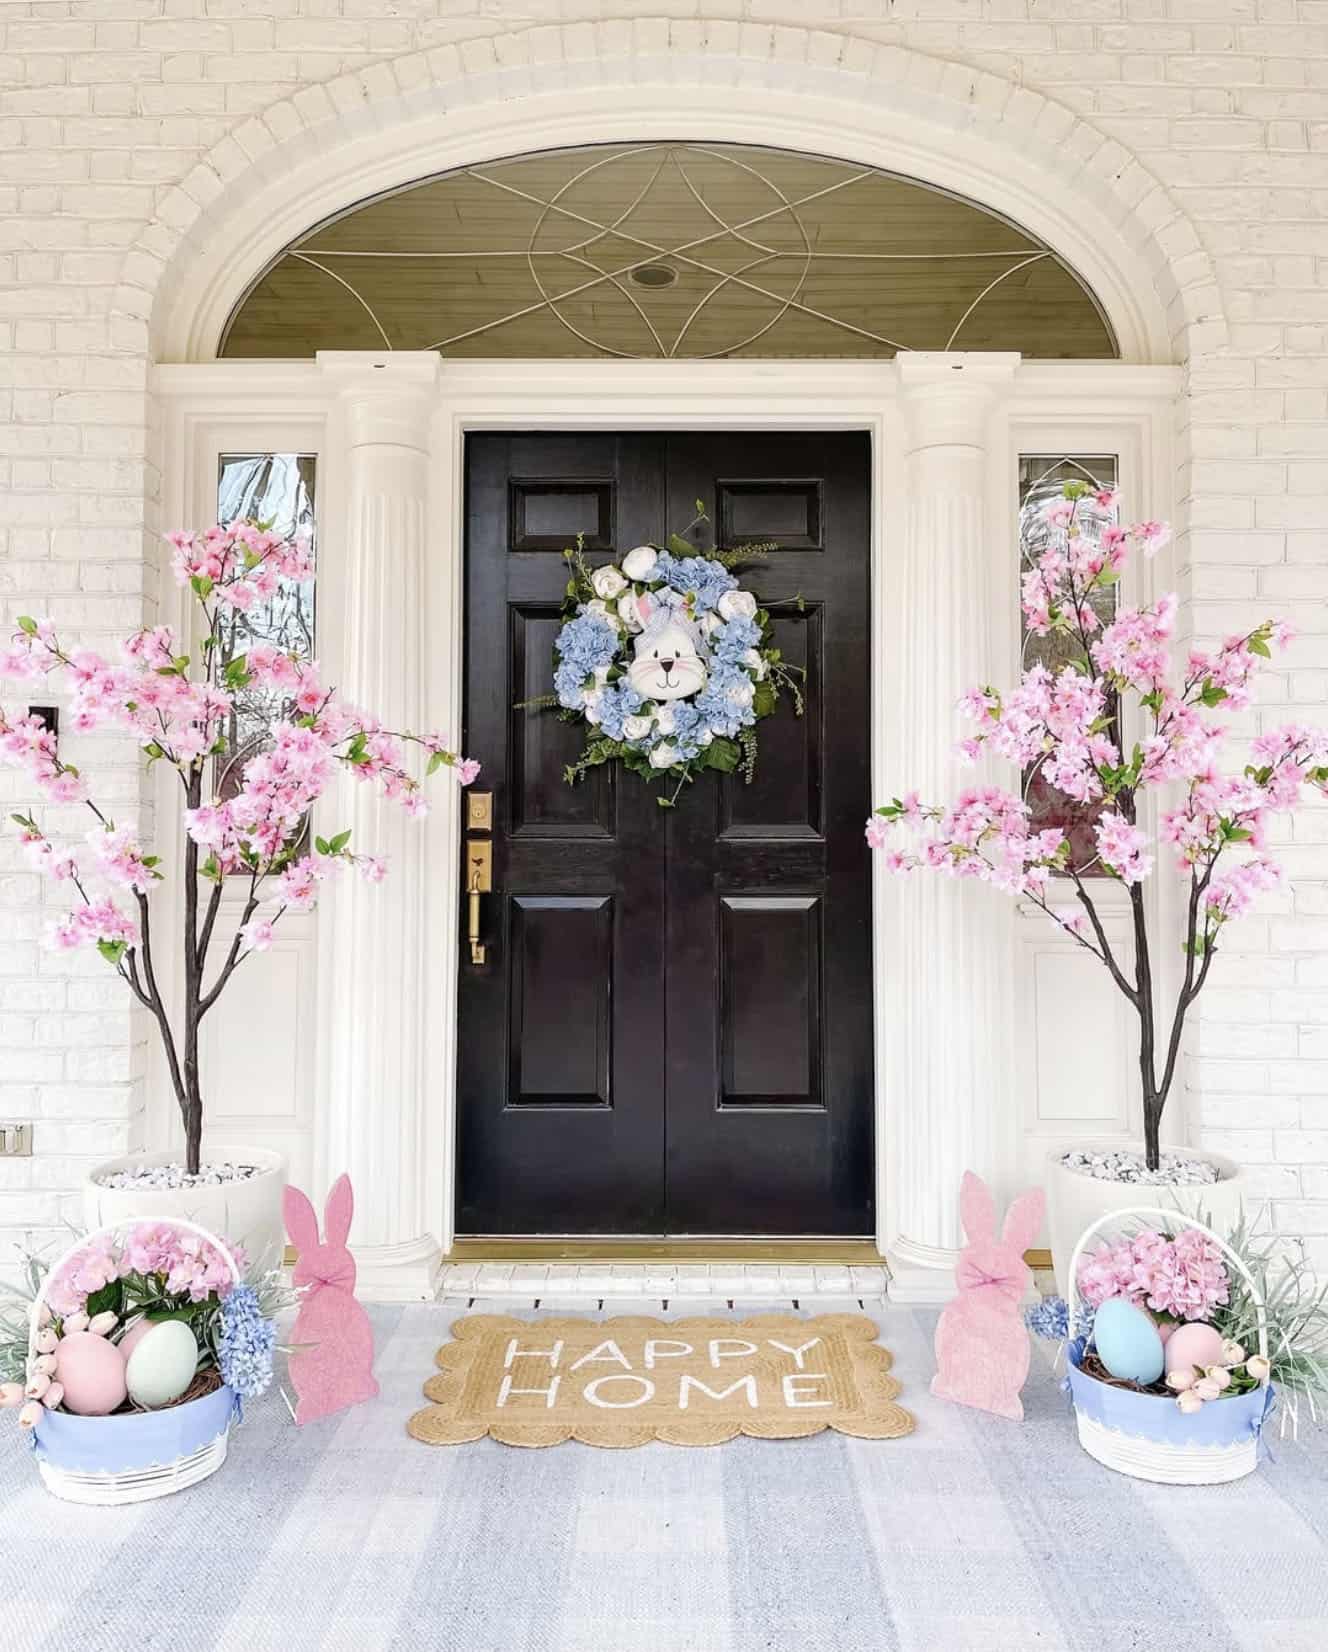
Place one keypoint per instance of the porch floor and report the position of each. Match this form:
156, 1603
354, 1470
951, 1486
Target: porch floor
970, 1535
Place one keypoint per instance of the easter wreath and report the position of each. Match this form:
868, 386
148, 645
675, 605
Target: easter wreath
668, 662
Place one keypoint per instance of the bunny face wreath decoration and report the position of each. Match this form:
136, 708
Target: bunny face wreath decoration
667, 662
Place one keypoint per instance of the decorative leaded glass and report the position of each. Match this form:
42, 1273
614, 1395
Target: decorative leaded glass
276, 490
1041, 479
668, 250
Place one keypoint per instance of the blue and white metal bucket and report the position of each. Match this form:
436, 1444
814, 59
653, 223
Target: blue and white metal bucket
1148, 1435
133, 1455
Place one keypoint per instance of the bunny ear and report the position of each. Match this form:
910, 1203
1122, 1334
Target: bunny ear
338, 1211
1023, 1220
301, 1223
977, 1209
645, 607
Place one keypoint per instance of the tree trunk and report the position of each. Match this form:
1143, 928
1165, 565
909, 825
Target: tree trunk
191, 1107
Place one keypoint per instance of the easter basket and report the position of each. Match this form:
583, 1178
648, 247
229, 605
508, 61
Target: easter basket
1147, 1435
130, 1457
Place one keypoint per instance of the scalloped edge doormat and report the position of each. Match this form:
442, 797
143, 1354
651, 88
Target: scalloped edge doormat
629, 1380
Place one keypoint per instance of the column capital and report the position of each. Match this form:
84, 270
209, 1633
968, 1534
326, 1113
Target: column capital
947, 394
388, 395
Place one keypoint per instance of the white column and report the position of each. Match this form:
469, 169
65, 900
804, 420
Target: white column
950, 1102
372, 1090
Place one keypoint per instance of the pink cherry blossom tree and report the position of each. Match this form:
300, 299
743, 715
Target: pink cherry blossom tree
176, 698
1120, 721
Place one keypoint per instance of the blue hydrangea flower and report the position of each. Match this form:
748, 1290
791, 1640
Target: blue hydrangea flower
730, 642
1050, 1318
244, 1349
584, 643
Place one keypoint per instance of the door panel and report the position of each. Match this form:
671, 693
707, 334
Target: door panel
672, 1028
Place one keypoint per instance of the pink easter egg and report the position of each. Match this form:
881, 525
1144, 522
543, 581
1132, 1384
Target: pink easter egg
91, 1372
132, 1337
1193, 1344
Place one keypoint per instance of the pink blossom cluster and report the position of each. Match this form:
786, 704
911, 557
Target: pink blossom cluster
1133, 650
985, 836
1123, 847
149, 695
1057, 723
1184, 1277
190, 1265
1087, 547
239, 563
86, 1271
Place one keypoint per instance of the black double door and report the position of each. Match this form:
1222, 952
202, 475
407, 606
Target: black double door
672, 1029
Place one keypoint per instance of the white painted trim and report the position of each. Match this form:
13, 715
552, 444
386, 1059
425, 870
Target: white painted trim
1130, 410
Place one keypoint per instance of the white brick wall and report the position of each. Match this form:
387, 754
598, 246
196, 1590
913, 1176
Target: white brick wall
106, 106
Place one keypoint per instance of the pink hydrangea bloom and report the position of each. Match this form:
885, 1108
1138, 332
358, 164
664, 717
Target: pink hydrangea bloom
1184, 1277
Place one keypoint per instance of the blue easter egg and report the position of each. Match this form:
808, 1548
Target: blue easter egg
1127, 1341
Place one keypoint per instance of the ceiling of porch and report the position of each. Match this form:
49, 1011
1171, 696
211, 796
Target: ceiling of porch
661, 250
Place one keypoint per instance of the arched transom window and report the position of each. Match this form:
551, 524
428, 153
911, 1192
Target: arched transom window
668, 250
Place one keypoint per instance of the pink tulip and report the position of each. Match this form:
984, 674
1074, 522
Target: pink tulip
31, 1414
36, 1385
45, 1341
1258, 1367
54, 1396
1190, 1401
43, 1315
1181, 1380
11, 1393
74, 1322
1219, 1376
101, 1325
44, 1363
1205, 1388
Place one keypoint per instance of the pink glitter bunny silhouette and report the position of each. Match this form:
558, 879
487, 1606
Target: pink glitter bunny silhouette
982, 1347
336, 1370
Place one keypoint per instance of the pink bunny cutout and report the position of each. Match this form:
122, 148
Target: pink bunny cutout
336, 1370
982, 1346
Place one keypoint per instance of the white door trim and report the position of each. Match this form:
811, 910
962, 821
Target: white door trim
230, 402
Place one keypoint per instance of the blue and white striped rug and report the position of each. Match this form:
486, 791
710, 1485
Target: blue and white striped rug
971, 1535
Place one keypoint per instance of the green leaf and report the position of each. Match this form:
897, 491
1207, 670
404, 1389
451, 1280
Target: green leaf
322, 846
1257, 645
681, 547
722, 754
436, 761
153, 750
765, 699
1212, 695
27, 625
700, 509
338, 843
106, 1300
201, 585
112, 951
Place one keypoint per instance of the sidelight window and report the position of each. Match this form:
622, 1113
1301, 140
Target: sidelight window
1042, 476
277, 491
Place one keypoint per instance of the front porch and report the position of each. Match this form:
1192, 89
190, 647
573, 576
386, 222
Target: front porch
967, 1534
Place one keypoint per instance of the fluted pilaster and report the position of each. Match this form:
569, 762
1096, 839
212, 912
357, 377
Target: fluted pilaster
949, 1102
372, 940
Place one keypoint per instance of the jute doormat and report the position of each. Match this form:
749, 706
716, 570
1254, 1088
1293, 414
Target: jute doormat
626, 1381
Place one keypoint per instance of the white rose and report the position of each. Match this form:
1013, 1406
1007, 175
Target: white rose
710, 623
591, 705
735, 604
602, 611
608, 582
640, 563
704, 738
636, 728
602, 674
755, 664
627, 612
664, 756
665, 719
741, 694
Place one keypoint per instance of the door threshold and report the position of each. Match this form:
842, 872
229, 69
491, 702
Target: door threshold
825, 1252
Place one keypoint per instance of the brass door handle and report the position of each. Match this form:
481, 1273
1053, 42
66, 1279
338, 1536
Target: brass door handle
479, 881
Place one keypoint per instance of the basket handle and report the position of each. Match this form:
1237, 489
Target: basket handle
113, 1227
1169, 1217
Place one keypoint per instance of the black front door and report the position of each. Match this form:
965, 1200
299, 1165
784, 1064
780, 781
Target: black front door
672, 1028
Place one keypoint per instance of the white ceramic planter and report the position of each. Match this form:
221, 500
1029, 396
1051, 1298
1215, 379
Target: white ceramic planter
247, 1213
1074, 1201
